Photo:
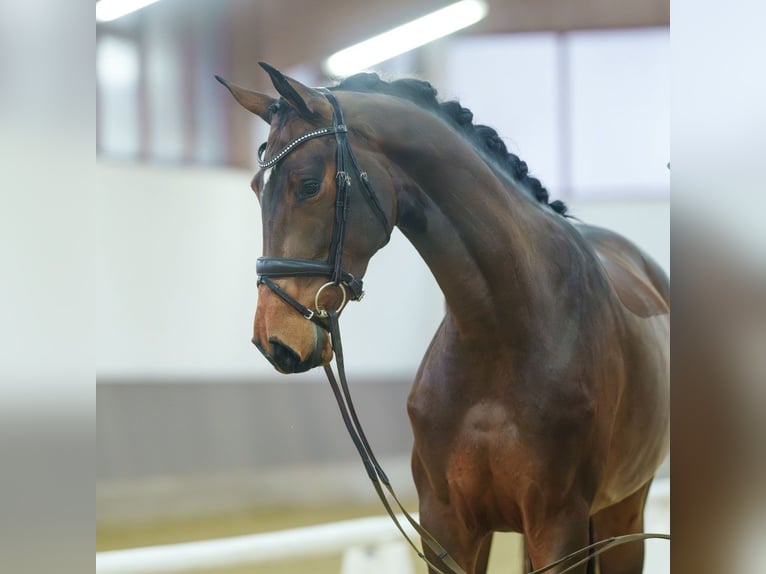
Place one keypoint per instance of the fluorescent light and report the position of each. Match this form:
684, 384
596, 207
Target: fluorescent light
107, 10
406, 37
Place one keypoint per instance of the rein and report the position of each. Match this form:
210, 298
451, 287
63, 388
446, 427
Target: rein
598, 548
352, 289
374, 471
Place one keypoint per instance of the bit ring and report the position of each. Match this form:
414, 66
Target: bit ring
320, 311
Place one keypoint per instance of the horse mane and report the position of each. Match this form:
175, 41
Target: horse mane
484, 138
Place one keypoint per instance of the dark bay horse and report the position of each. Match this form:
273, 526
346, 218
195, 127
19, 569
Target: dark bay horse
541, 405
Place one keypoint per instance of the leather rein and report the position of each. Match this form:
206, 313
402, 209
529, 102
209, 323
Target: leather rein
352, 289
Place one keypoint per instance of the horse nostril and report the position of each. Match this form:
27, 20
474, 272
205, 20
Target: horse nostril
285, 358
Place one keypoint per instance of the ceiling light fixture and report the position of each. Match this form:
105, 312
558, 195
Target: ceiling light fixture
406, 37
108, 10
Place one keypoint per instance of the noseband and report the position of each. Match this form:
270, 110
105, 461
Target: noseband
273, 267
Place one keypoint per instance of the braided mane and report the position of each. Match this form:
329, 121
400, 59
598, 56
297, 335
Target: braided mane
483, 137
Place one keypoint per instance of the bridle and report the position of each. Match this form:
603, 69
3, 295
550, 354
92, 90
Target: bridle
352, 289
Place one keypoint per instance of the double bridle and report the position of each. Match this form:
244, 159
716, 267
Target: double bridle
352, 289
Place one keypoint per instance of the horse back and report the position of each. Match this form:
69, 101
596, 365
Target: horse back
639, 282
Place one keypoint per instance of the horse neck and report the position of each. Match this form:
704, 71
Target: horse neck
493, 249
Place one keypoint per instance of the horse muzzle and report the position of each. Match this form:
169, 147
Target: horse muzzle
287, 359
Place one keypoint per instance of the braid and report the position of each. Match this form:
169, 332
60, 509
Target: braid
517, 168
484, 137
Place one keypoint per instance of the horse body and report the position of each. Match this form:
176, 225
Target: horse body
541, 404
545, 401
505, 442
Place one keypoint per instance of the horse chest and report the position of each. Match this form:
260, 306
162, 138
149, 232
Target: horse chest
485, 442
475, 462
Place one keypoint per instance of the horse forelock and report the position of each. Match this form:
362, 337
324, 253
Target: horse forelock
484, 138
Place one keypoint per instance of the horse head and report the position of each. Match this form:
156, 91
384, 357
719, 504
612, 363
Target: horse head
321, 220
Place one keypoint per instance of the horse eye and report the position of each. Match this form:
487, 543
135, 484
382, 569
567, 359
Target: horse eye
308, 188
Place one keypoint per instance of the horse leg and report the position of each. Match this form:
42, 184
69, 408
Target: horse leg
625, 517
527, 561
550, 538
591, 539
468, 546
482, 560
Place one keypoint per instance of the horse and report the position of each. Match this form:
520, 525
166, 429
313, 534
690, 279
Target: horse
541, 405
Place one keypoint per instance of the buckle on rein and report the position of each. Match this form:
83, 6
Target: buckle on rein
344, 177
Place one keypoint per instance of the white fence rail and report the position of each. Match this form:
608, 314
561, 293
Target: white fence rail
369, 545
373, 541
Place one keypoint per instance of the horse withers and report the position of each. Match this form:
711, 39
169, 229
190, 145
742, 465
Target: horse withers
541, 405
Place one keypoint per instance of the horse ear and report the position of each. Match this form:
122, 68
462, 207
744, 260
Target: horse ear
260, 104
307, 101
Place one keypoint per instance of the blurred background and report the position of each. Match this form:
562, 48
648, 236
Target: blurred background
198, 436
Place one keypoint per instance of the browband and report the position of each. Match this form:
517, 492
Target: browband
295, 143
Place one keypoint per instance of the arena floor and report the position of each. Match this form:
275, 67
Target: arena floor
505, 557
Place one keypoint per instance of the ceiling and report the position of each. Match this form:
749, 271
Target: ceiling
292, 32
234, 35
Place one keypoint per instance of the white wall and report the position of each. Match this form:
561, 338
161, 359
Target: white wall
176, 282
176, 278
588, 111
